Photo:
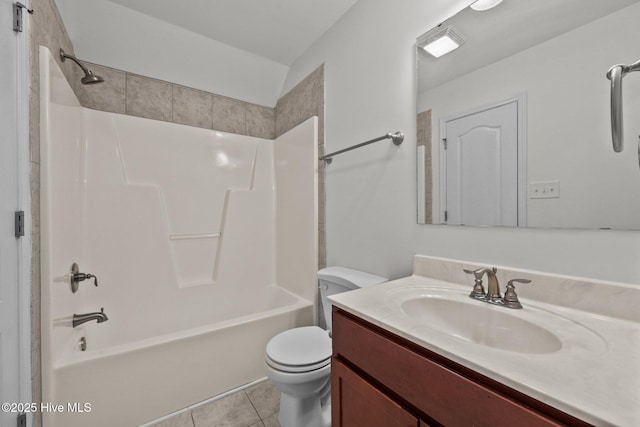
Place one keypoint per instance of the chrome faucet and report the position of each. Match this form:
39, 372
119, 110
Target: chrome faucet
98, 316
492, 295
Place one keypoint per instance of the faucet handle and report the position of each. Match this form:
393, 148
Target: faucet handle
474, 272
510, 297
478, 290
75, 277
479, 272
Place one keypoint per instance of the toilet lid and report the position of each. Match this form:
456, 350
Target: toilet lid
298, 347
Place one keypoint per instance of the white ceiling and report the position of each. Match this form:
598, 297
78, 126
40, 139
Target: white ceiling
280, 30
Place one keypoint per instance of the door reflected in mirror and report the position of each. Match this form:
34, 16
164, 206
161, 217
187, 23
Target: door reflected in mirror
514, 125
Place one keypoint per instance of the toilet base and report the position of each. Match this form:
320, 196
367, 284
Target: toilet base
309, 412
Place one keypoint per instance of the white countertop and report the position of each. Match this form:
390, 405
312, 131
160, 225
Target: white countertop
595, 376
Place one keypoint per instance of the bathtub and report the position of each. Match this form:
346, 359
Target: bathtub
129, 384
204, 244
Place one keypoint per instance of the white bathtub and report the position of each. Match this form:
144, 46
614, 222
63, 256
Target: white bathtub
133, 383
204, 245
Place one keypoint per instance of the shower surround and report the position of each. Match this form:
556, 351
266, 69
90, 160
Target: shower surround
204, 245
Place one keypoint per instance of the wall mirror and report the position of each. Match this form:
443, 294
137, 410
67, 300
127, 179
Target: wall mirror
514, 125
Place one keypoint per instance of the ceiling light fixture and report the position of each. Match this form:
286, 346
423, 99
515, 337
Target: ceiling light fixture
481, 5
440, 41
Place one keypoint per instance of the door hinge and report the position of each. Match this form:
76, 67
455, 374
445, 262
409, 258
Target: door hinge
22, 420
446, 216
444, 142
17, 16
19, 223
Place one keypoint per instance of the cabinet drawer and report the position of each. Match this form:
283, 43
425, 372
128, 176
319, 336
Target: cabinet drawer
440, 393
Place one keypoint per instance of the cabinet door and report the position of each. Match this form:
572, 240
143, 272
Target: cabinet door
357, 403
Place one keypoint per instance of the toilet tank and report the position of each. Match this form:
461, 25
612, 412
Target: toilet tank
333, 280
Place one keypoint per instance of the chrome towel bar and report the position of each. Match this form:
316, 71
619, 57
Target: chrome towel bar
397, 139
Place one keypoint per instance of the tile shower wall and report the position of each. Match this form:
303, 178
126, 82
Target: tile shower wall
132, 94
135, 95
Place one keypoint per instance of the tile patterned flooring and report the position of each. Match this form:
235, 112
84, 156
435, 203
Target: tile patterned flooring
256, 406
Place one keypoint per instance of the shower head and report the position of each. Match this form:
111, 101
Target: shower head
89, 77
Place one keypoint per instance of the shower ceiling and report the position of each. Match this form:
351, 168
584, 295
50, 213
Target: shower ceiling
280, 30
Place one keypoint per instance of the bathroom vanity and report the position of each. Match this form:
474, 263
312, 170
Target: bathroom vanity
379, 378
419, 352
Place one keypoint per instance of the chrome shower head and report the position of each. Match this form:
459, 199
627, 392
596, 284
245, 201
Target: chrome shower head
89, 77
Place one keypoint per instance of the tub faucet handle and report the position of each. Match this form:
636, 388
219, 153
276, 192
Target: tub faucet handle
76, 277
85, 276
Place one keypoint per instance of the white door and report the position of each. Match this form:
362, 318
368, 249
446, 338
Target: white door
480, 167
10, 246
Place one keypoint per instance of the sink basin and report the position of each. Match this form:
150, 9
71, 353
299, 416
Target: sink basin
481, 323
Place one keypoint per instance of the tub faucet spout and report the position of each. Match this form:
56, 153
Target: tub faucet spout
98, 316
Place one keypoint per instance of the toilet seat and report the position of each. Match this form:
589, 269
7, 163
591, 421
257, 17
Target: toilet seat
297, 369
302, 349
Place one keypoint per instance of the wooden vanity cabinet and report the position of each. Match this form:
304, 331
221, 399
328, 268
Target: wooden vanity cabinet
381, 379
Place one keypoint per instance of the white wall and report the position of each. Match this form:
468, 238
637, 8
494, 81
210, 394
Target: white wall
108, 34
370, 201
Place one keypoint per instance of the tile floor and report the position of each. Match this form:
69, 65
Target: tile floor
256, 406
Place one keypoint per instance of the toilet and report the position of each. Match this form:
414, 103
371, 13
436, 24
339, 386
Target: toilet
298, 361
